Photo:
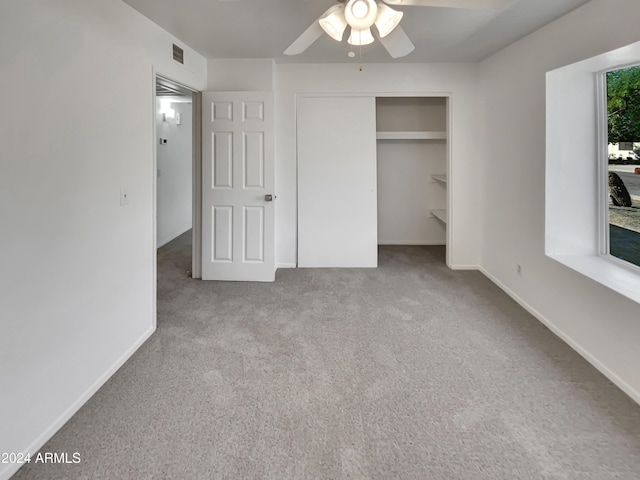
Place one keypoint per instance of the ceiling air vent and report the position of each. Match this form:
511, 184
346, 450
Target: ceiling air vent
178, 54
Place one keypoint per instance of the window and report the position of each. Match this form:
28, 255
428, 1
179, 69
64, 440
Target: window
576, 172
623, 123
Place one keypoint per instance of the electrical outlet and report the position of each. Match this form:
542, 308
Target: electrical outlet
124, 196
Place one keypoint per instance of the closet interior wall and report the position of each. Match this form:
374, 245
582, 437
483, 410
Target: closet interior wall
412, 165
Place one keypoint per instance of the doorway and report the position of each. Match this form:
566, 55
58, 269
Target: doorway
177, 123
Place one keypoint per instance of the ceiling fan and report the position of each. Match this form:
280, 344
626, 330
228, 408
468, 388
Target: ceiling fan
361, 15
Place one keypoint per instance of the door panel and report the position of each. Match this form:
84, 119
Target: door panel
222, 234
223, 160
337, 184
238, 171
253, 160
254, 234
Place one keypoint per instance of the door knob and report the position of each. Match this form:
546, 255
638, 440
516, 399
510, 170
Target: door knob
269, 198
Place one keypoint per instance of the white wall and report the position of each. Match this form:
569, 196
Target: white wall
601, 324
460, 80
175, 181
77, 279
406, 191
241, 75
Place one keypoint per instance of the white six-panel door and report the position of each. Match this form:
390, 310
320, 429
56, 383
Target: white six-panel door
337, 182
238, 221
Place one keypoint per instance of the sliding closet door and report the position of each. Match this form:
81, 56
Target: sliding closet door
337, 198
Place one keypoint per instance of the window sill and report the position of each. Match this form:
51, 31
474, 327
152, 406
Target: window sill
607, 272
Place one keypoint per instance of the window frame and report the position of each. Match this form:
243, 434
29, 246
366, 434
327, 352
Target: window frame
576, 167
602, 129
604, 220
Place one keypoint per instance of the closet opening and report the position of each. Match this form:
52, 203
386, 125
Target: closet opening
373, 171
412, 153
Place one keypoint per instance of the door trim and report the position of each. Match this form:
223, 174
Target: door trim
196, 178
196, 252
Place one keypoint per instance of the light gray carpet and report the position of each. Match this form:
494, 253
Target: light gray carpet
408, 371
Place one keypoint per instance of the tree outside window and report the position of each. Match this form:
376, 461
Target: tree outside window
623, 119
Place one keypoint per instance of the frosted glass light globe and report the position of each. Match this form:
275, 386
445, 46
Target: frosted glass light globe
361, 14
360, 9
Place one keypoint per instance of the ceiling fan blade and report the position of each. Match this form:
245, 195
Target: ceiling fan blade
471, 4
397, 43
304, 41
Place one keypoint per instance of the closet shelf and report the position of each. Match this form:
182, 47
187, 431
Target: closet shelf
411, 135
440, 214
440, 178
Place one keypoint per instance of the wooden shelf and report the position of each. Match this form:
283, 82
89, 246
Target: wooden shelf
440, 214
440, 178
411, 135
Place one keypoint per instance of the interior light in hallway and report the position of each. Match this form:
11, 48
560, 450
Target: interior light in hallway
166, 110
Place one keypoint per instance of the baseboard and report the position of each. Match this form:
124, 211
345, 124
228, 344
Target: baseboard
621, 384
71, 411
285, 265
380, 242
172, 237
453, 267
464, 267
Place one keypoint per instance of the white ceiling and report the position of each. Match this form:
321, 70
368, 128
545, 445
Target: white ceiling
265, 28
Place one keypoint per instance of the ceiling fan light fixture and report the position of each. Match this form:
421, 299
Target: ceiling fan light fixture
333, 22
387, 19
360, 9
361, 14
360, 37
